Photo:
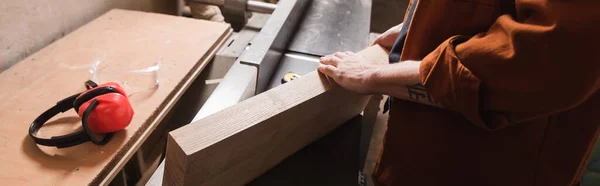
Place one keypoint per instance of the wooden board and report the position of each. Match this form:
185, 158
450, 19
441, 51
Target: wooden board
123, 39
237, 144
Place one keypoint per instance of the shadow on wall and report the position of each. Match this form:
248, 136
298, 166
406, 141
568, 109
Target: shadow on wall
28, 26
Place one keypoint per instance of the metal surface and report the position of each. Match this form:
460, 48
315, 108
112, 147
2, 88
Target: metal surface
270, 54
227, 56
293, 62
243, 37
253, 6
237, 86
297, 32
334, 25
239, 82
261, 7
268, 46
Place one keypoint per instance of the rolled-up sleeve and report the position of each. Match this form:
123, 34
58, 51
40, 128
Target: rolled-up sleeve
518, 70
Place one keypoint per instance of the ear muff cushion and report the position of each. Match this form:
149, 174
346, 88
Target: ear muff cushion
113, 113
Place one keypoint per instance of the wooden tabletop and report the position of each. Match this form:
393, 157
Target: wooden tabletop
120, 40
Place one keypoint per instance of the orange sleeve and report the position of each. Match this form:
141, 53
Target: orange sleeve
545, 63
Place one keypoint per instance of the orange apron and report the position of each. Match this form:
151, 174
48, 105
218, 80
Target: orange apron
520, 82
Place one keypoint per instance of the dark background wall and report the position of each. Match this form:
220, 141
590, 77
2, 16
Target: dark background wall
386, 14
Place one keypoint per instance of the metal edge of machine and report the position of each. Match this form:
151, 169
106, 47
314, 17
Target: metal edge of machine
262, 53
267, 48
250, 74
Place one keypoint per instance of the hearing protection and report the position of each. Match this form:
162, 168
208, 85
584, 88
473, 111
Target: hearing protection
103, 109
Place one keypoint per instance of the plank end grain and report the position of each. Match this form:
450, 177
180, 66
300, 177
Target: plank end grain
239, 143
176, 164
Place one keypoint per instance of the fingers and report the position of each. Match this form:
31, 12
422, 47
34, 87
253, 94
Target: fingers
340, 55
327, 69
330, 60
335, 58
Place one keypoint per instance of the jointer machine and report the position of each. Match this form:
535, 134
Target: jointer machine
276, 43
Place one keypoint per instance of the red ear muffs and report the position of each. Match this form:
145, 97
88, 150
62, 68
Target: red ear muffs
103, 109
113, 112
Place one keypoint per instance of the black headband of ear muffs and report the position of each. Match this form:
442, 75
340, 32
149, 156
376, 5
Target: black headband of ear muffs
64, 105
91, 95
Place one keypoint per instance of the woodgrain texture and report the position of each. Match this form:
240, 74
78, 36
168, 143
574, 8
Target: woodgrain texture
124, 39
237, 144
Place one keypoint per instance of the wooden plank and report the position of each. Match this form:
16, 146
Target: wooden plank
237, 144
123, 39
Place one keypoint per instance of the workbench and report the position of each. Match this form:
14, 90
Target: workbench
118, 42
235, 67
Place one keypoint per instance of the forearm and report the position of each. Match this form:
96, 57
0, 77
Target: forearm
402, 81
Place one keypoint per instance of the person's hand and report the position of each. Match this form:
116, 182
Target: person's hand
388, 38
351, 71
